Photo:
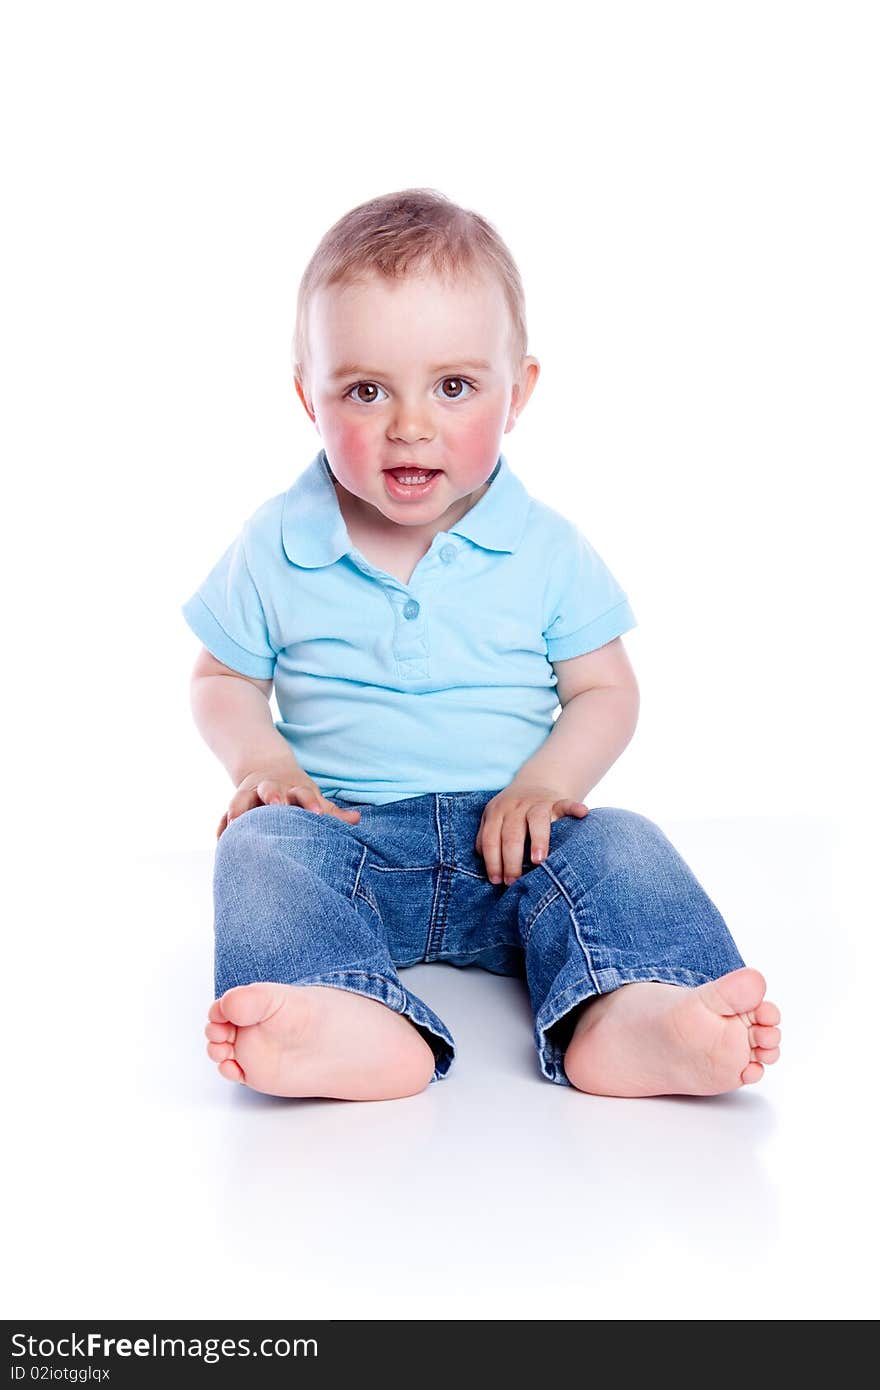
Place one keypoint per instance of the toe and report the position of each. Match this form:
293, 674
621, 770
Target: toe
219, 1051
735, 993
751, 1073
766, 1055
231, 1071
215, 1013
767, 1013
249, 1004
220, 1032
764, 1037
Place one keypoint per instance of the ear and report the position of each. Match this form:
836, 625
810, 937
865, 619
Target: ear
524, 385
301, 391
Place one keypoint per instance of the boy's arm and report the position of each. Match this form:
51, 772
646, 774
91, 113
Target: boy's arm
599, 695
600, 706
233, 715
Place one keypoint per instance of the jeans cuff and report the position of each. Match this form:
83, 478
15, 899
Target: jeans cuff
551, 1051
402, 1001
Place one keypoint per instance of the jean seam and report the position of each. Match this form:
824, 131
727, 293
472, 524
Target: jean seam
422, 868
357, 877
450, 869
446, 889
437, 928
572, 912
358, 975
408, 869
438, 823
488, 946
550, 895
364, 893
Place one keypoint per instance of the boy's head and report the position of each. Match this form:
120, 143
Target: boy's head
410, 349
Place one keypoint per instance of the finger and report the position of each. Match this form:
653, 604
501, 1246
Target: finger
564, 808
244, 801
222, 826
513, 839
332, 808
538, 818
270, 793
305, 797
491, 851
486, 821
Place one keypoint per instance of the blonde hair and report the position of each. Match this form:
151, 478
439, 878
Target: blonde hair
401, 233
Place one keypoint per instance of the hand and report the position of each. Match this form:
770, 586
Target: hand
271, 789
506, 818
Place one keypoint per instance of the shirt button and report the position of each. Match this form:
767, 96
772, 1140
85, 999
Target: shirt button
411, 609
447, 553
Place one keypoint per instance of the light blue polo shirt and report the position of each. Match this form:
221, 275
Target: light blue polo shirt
389, 690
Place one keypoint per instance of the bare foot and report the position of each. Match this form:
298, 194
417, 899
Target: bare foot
311, 1040
652, 1039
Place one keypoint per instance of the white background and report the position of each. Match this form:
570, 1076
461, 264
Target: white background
690, 191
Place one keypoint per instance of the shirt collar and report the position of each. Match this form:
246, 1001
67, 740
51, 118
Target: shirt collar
313, 531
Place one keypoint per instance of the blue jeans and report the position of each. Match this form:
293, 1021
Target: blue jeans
312, 900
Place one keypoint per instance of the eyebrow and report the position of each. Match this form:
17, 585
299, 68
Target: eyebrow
352, 368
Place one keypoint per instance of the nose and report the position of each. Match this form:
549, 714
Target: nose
410, 424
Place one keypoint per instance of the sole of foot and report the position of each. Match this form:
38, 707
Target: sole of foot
653, 1039
313, 1040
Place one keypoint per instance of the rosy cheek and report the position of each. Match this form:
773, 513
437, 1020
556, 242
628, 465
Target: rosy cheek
475, 440
355, 442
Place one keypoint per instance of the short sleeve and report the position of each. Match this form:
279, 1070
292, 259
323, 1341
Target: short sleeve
586, 605
227, 614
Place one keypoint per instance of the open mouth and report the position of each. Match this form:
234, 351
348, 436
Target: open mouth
409, 481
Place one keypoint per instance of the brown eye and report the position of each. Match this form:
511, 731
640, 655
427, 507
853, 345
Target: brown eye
460, 383
365, 386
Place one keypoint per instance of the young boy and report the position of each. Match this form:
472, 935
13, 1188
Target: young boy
421, 617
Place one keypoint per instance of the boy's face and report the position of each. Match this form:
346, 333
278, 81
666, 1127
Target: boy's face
395, 379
